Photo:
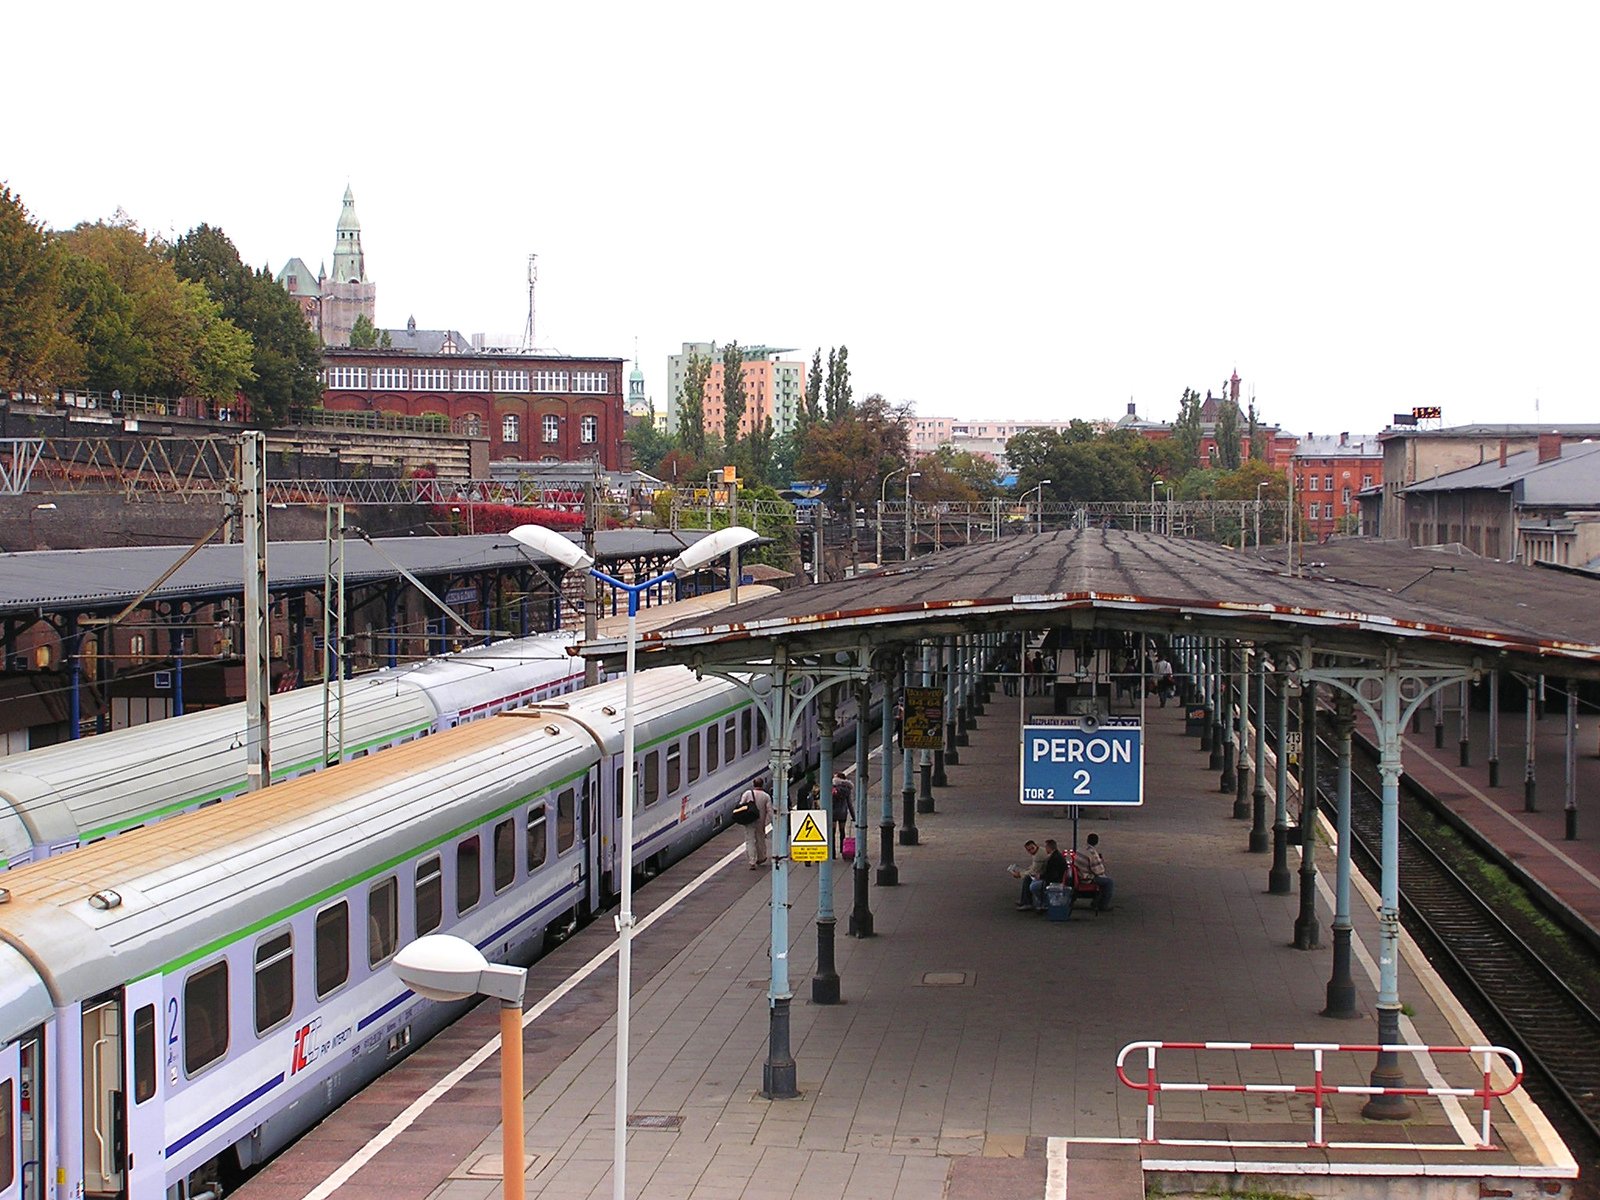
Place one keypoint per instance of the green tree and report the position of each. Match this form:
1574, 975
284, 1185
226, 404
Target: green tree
811, 408
1258, 435
37, 348
852, 454
650, 444
758, 451
975, 474
1187, 430
285, 356
838, 394
692, 406
733, 398
1227, 434
363, 333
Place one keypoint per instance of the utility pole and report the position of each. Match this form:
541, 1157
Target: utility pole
333, 630
591, 595
257, 606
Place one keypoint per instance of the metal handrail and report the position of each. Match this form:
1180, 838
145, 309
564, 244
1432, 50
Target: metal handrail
1318, 1088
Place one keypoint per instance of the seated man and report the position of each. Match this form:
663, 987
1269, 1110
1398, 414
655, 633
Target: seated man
1053, 871
1029, 873
1092, 870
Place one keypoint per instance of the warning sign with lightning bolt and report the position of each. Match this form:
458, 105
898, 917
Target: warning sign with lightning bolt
808, 841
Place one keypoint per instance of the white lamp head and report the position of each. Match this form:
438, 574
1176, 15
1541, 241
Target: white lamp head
440, 967
552, 545
713, 545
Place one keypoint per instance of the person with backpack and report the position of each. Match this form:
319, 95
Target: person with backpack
756, 798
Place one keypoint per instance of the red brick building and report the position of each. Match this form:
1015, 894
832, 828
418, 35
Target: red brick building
1329, 471
530, 407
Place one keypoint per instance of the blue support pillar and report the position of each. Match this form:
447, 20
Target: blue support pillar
1258, 794
888, 872
825, 982
1341, 995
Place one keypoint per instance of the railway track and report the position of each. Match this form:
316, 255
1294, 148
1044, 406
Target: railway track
1525, 978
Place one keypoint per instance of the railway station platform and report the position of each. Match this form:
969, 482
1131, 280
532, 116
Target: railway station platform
974, 1053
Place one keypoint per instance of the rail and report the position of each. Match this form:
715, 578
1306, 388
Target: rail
1319, 1088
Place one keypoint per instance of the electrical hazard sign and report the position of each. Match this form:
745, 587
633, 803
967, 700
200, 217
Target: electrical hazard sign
808, 841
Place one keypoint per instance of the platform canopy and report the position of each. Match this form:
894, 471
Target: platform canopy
1487, 613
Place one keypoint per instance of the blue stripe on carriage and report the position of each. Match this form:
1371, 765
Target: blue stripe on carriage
236, 1106
379, 1013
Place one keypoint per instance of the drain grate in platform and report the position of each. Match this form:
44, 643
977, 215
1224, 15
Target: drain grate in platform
947, 978
671, 1121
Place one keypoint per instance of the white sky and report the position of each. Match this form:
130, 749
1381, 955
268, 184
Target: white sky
1003, 209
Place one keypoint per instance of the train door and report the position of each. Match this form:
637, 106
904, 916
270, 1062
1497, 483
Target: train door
32, 1110
11, 1101
142, 1040
104, 1119
596, 842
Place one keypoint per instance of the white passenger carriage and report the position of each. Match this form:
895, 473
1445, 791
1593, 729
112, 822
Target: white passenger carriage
179, 1002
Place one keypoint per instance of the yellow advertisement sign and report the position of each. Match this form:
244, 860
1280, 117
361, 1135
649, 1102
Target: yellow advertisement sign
924, 720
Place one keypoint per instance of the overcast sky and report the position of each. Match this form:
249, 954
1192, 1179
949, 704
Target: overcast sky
1002, 209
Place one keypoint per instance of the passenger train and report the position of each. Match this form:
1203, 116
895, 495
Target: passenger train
54, 798
179, 1002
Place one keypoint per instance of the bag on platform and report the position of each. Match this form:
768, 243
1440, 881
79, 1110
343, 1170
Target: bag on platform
847, 848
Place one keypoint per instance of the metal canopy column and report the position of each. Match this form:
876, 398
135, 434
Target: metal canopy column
1341, 1002
1530, 781
860, 925
1258, 795
1226, 729
1494, 728
1402, 692
1571, 757
888, 872
941, 680
925, 765
825, 980
1307, 932
1278, 877
908, 789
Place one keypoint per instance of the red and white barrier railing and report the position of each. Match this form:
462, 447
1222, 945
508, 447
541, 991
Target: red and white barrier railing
1318, 1088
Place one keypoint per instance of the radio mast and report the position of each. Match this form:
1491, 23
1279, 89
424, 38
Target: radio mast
533, 277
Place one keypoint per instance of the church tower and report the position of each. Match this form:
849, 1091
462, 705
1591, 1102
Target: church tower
347, 293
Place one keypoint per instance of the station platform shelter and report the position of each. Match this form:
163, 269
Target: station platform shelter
973, 1053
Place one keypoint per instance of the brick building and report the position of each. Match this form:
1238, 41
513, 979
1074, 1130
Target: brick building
1329, 471
530, 407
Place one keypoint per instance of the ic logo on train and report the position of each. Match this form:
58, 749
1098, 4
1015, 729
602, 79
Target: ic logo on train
309, 1047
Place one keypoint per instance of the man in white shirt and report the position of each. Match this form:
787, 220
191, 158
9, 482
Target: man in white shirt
755, 833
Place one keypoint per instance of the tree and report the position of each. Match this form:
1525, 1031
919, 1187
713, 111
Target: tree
1187, 430
977, 475
758, 451
285, 356
363, 334
733, 399
811, 409
650, 443
37, 348
1228, 455
852, 455
692, 406
838, 394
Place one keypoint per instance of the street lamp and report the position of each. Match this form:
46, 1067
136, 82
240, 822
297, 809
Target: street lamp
909, 478
883, 498
443, 967
1154, 484
570, 555
1260, 487
45, 507
1040, 489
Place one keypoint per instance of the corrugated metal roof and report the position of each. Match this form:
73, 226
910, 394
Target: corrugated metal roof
1036, 581
1573, 478
61, 580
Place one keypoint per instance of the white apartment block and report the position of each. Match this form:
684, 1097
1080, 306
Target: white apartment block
984, 437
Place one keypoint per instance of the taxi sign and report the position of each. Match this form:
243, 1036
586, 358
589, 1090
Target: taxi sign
808, 841
1083, 760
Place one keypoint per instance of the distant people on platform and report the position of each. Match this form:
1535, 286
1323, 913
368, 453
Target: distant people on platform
1164, 679
1128, 677
1092, 869
844, 809
755, 832
1028, 873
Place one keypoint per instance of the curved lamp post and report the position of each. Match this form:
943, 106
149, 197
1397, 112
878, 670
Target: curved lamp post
570, 555
1039, 487
883, 498
909, 478
443, 967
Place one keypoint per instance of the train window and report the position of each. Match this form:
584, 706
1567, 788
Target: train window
713, 745
274, 980
505, 854
469, 874
538, 837
674, 769
566, 820
8, 1136
652, 777
730, 742
144, 1053
761, 730
746, 730
693, 746
430, 895
616, 795
383, 920
205, 1017
333, 947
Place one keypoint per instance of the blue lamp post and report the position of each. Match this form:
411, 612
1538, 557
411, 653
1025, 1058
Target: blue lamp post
572, 556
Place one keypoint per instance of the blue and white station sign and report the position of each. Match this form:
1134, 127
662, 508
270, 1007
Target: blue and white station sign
1081, 760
